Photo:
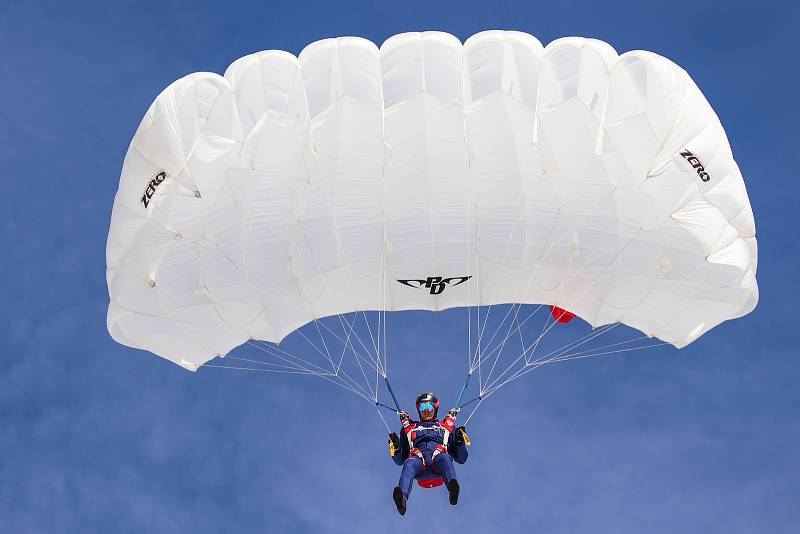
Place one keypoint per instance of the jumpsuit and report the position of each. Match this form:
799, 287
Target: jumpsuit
427, 453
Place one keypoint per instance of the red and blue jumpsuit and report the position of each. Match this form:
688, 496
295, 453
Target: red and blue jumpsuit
427, 453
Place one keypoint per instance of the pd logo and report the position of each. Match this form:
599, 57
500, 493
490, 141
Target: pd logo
436, 284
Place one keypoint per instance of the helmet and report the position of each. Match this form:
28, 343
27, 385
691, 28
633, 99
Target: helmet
428, 397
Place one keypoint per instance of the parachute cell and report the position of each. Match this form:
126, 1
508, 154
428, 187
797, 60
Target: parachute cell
427, 174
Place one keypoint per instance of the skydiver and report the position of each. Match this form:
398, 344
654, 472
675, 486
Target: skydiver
428, 450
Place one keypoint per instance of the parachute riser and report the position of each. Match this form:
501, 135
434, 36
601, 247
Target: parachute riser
391, 392
382, 405
463, 389
479, 397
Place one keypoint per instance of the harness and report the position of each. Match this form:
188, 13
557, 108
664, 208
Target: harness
409, 429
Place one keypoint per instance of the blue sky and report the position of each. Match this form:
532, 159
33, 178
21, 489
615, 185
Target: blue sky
96, 437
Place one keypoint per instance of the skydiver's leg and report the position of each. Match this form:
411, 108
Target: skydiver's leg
412, 468
443, 463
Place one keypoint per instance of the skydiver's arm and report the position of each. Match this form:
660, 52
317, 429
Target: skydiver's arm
457, 446
455, 442
404, 447
399, 444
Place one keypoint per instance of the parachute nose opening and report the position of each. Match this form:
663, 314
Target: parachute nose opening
561, 315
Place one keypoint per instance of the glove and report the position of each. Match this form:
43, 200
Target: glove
404, 417
461, 435
454, 412
394, 444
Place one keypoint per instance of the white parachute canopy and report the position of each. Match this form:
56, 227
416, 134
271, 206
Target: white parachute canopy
427, 174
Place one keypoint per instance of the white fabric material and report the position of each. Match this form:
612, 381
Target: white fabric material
548, 175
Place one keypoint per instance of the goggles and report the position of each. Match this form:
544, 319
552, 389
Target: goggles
426, 406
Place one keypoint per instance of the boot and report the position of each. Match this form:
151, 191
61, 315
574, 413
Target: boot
452, 490
400, 500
